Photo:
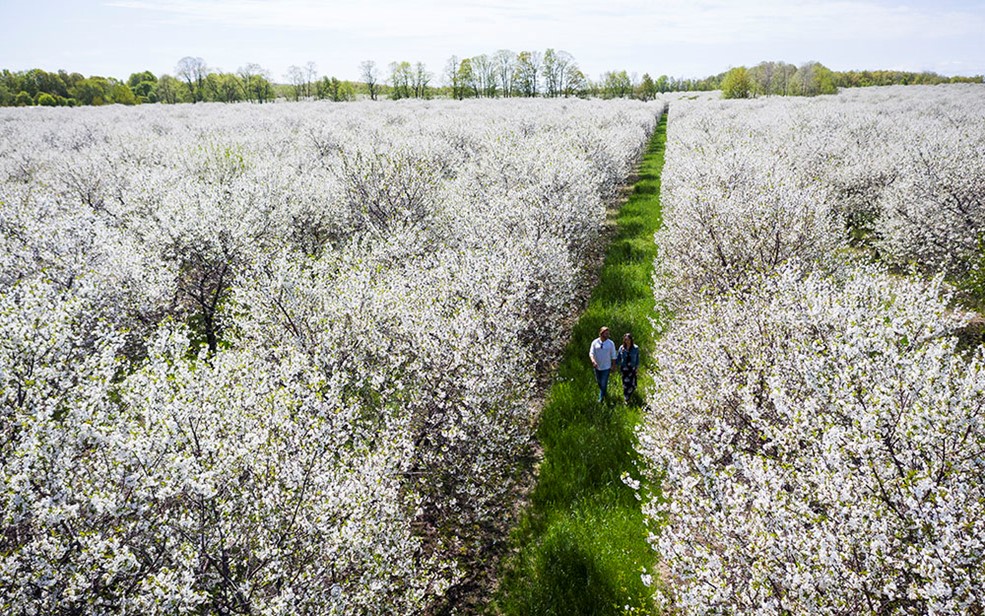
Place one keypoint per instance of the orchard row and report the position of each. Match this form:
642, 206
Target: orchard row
818, 423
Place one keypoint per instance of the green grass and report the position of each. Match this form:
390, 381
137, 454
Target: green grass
581, 546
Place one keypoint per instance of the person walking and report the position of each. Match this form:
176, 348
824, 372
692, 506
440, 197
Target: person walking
602, 353
628, 360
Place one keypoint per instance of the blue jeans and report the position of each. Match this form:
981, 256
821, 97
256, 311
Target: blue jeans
602, 377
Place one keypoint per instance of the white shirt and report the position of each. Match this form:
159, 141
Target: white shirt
604, 353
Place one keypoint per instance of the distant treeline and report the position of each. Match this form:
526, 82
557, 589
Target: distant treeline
504, 73
192, 83
549, 73
813, 78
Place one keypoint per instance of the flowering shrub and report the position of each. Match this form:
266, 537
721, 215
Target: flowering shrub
934, 214
735, 204
280, 360
820, 444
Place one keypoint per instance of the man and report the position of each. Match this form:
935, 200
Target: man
602, 353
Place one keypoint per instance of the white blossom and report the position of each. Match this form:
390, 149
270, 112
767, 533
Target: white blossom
816, 427
280, 359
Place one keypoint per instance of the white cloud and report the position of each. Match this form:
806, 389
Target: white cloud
601, 35
683, 21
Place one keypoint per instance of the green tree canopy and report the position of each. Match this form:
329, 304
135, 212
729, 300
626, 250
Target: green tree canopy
138, 78
335, 90
647, 88
23, 99
616, 84
736, 83
122, 94
93, 91
46, 100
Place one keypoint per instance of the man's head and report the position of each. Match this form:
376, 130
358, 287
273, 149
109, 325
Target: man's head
604, 333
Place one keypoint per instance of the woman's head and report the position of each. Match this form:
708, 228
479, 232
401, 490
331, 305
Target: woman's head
627, 339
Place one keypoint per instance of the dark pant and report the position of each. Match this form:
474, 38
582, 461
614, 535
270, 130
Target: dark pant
628, 382
602, 377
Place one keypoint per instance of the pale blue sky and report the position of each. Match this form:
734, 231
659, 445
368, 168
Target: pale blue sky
689, 38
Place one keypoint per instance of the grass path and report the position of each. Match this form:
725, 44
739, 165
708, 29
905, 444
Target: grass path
581, 546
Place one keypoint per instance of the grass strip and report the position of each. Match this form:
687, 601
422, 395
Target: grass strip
581, 546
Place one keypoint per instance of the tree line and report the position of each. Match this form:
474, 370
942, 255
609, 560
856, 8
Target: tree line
551, 73
503, 74
813, 78
508, 74
193, 81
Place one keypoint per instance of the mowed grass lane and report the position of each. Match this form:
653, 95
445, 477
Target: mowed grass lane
581, 547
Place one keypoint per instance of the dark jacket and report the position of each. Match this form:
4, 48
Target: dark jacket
630, 357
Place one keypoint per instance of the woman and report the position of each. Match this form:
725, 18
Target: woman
628, 360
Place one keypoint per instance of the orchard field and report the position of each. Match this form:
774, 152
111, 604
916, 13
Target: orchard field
280, 359
284, 359
817, 427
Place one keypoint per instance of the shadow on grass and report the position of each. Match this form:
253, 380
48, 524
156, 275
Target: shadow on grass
632, 228
582, 567
629, 251
649, 185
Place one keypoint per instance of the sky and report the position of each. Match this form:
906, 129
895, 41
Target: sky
678, 38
